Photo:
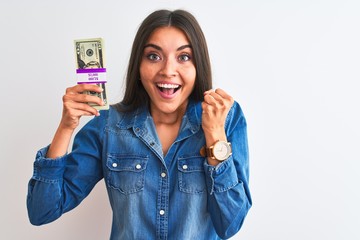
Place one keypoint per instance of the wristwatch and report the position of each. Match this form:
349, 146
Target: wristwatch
220, 151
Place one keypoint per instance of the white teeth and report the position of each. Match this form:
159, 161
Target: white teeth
166, 85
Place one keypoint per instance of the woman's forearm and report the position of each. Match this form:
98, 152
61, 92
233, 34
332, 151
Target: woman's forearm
60, 143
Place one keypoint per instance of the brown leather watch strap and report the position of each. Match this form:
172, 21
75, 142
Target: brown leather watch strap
203, 151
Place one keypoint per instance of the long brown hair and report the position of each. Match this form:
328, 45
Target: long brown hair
135, 95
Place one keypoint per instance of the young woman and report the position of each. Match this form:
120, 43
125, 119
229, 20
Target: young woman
173, 153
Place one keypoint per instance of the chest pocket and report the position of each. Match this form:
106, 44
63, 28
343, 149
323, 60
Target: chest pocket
191, 175
126, 173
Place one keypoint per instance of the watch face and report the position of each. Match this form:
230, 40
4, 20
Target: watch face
221, 150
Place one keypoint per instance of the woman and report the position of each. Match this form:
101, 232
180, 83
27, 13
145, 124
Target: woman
173, 153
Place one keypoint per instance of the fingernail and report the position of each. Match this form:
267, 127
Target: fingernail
208, 91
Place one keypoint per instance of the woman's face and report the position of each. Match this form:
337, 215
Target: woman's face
167, 70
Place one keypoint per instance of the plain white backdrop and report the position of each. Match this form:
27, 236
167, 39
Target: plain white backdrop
293, 66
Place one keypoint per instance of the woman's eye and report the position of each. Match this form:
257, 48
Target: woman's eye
153, 57
184, 57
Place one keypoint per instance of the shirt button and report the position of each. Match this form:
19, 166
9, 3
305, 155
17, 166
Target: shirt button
162, 212
185, 167
114, 164
138, 166
163, 174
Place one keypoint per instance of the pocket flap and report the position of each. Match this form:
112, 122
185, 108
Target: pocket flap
126, 163
191, 164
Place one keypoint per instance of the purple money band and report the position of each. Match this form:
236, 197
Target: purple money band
91, 70
92, 82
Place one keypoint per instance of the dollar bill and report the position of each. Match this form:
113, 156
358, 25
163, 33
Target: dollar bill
90, 67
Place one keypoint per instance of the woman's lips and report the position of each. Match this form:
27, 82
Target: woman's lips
168, 90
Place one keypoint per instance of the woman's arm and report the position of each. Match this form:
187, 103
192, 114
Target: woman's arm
61, 181
228, 182
59, 185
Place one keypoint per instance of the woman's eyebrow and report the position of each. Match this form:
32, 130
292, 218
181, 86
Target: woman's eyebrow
160, 49
184, 46
153, 46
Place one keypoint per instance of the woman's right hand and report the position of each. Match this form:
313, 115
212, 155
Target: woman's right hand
75, 104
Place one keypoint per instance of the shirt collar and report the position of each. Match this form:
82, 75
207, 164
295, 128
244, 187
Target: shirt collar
138, 118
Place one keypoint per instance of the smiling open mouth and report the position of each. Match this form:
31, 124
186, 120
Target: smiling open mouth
168, 89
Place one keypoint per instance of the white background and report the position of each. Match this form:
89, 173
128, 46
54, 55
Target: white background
292, 65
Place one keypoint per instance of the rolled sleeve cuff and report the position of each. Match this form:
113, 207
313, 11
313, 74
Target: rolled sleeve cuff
222, 177
48, 169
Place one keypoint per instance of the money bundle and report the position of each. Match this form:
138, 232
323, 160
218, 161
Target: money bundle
90, 67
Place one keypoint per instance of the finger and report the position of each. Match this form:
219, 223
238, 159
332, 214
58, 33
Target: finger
222, 98
83, 98
208, 91
204, 107
216, 96
84, 87
214, 99
90, 87
76, 113
79, 109
81, 113
224, 95
208, 109
86, 98
209, 99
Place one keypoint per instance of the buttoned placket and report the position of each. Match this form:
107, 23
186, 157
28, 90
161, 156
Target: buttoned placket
162, 207
163, 192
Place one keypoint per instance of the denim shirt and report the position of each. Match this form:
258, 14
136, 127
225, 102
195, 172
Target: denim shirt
152, 196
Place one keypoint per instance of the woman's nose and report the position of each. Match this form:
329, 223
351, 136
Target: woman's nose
169, 68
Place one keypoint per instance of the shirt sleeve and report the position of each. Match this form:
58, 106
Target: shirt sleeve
229, 198
59, 185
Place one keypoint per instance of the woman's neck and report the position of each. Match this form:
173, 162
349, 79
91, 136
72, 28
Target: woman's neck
164, 118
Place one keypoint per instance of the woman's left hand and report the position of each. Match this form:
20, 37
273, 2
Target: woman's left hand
216, 107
